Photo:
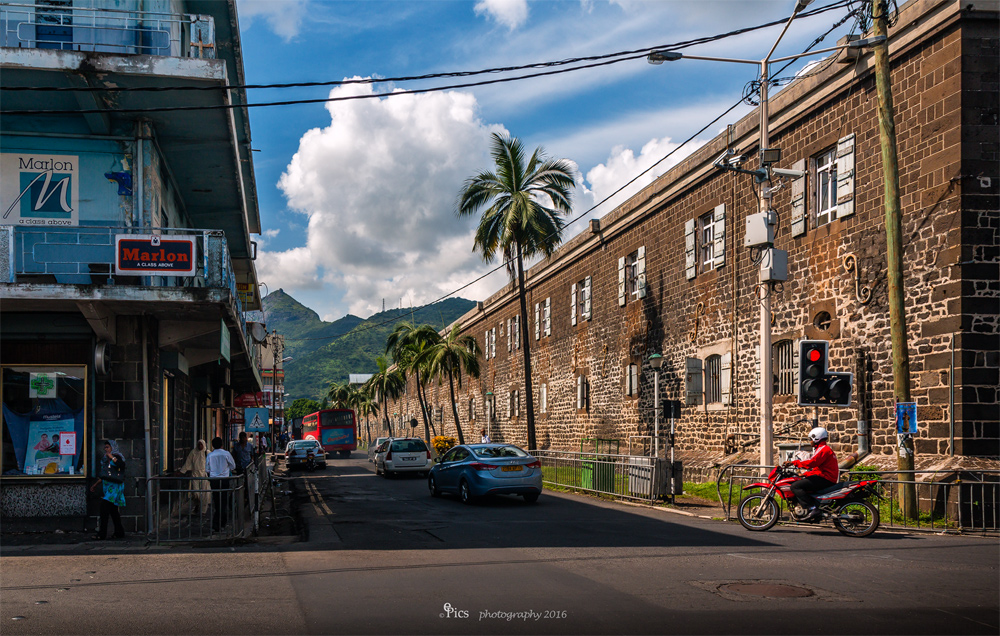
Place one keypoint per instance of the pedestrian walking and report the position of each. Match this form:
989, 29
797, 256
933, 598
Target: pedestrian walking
195, 466
219, 464
243, 453
112, 482
486, 438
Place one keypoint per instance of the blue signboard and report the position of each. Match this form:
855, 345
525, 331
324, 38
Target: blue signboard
337, 436
906, 418
256, 420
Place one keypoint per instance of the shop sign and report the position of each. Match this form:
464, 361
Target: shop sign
154, 254
225, 342
244, 400
39, 190
42, 385
245, 292
236, 416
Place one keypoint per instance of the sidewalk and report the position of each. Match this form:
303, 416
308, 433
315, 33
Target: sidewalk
276, 528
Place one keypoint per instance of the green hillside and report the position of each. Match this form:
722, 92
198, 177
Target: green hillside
324, 352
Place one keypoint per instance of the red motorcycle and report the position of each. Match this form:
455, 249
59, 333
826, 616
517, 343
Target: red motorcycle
845, 503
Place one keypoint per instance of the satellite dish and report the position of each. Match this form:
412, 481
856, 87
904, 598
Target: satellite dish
257, 331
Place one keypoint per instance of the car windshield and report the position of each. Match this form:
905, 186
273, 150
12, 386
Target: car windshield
304, 444
408, 446
496, 452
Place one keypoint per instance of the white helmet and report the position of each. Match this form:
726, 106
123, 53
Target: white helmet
818, 434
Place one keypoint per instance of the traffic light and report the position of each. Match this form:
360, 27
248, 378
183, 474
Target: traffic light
817, 386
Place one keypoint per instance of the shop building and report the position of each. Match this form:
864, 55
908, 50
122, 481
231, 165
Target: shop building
125, 235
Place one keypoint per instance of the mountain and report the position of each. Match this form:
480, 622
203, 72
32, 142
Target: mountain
325, 352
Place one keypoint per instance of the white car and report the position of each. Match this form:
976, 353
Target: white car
373, 448
403, 455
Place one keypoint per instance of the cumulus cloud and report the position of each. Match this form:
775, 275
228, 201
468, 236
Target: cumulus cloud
378, 186
284, 18
509, 13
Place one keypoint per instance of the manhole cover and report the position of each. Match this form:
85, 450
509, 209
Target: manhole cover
769, 590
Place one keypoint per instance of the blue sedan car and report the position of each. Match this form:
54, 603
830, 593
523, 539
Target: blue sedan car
476, 470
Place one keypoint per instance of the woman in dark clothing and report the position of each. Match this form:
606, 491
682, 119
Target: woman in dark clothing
113, 463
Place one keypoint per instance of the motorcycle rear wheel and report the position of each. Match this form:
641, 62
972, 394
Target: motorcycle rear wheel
857, 519
758, 512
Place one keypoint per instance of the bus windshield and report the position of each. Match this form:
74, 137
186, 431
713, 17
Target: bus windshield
336, 419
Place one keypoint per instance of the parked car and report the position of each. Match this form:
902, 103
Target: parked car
476, 470
402, 455
297, 453
373, 447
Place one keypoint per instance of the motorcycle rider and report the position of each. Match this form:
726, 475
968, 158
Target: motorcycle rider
822, 471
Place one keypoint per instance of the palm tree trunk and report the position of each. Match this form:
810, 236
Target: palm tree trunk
385, 414
454, 408
525, 342
423, 409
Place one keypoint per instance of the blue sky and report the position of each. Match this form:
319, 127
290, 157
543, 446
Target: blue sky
357, 198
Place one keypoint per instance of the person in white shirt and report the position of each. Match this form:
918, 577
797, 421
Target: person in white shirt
486, 438
219, 464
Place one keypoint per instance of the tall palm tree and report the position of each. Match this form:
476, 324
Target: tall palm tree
387, 384
406, 343
451, 357
339, 395
366, 406
522, 203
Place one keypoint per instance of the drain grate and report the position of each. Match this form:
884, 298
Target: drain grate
767, 590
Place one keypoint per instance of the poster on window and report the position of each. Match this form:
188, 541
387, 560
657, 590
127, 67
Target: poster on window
42, 456
39, 190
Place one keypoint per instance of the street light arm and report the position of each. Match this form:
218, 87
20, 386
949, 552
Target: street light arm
857, 44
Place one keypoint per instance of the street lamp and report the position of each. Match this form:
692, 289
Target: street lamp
656, 361
763, 177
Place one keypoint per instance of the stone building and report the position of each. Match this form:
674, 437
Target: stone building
667, 272
125, 238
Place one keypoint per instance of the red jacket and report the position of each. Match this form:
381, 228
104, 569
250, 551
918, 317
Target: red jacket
823, 463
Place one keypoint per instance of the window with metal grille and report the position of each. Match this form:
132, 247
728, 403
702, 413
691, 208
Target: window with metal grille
826, 186
707, 242
784, 369
713, 379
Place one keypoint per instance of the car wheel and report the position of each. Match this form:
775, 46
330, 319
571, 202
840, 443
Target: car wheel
432, 486
377, 471
465, 492
531, 497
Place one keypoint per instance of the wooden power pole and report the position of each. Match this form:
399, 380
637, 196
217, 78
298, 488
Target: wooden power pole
894, 250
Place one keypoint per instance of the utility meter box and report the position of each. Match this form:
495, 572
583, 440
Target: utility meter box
773, 266
760, 229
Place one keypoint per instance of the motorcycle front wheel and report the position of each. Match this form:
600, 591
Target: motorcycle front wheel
758, 512
857, 519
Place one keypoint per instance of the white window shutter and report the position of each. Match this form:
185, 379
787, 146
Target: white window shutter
727, 378
572, 303
693, 380
628, 380
517, 332
690, 254
640, 271
548, 317
538, 325
845, 176
587, 313
545, 397
799, 200
621, 281
579, 392
795, 366
719, 236
510, 337
493, 342
486, 344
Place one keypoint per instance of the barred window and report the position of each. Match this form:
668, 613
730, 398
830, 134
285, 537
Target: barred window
784, 367
713, 379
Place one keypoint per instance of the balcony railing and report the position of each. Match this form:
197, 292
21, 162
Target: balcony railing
70, 28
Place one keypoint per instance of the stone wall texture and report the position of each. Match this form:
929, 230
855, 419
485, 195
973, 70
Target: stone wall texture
945, 86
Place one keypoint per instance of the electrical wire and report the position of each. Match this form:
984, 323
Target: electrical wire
575, 219
626, 55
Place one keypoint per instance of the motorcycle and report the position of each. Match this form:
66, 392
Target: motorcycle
845, 503
310, 460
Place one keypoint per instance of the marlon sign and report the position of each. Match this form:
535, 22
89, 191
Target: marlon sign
39, 190
154, 254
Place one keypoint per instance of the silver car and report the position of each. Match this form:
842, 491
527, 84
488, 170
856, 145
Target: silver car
402, 455
373, 448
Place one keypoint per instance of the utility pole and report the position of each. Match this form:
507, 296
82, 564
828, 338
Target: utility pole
766, 385
894, 249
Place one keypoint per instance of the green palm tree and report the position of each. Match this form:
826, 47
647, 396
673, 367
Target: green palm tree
522, 204
451, 357
339, 395
366, 406
406, 343
387, 384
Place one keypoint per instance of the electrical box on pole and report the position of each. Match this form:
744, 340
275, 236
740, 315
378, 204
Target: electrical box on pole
773, 265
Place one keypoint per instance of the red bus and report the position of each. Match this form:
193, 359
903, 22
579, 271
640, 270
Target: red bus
335, 429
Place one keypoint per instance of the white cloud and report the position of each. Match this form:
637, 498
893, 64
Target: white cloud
509, 13
284, 18
378, 186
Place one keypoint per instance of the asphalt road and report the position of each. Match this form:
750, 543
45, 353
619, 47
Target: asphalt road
383, 557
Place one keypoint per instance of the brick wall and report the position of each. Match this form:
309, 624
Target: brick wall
945, 90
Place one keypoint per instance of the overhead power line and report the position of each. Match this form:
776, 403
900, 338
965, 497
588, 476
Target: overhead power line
598, 61
369, 327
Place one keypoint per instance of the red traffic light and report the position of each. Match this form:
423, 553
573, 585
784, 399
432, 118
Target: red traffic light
815, 355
